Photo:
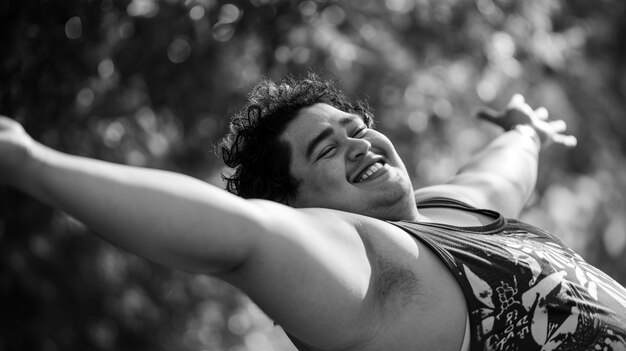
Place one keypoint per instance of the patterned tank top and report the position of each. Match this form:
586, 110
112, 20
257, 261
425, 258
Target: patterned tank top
526, 290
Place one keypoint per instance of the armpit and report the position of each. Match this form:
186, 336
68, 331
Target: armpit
395, 285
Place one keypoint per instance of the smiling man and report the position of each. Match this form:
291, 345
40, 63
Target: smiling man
328, 237
341, 163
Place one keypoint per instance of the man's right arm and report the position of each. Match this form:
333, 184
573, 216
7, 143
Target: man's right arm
307, 268
170, 218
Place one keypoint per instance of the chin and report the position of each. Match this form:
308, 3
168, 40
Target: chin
398, 207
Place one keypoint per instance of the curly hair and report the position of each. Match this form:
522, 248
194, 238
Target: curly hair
254, 147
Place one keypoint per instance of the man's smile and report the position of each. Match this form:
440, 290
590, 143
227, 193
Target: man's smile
370, 171
365, 168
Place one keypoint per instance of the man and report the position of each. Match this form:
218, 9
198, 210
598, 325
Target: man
329, 239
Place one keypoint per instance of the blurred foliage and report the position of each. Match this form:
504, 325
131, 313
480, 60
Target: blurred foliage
152, 83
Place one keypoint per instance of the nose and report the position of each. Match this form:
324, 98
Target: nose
358, 148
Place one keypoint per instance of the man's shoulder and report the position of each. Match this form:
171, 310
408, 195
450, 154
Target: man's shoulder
372, 231
392, 252
362, 276
407, 281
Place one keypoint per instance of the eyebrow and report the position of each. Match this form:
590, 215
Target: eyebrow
325, 133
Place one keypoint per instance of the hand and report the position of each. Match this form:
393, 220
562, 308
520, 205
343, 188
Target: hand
518, 112
15, 151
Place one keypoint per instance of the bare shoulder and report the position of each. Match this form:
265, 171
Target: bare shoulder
341, 228
382, 252
337, 280
330, 278
414, 297
404, 281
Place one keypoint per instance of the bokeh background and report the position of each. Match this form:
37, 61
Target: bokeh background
152, 83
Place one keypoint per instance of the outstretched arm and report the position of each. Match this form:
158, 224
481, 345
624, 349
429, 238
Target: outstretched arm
159, 215
502, 176
308, 269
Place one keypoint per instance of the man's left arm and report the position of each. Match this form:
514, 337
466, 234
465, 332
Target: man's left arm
503, 175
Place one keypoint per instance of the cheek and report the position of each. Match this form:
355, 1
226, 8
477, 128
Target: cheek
326, 179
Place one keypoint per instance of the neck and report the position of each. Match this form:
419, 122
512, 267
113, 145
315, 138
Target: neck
410, 213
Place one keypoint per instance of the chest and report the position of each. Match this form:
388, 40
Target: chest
418, 302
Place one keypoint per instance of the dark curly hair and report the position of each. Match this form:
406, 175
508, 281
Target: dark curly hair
254, 147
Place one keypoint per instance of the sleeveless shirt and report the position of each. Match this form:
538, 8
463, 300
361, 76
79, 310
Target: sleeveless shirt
524, 288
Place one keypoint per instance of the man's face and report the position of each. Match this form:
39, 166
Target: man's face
342, 164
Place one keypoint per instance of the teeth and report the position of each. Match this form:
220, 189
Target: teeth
370, 170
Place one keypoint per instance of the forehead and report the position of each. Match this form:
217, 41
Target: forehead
323, 113
313, 120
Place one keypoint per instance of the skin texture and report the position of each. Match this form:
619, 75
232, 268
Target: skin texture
330, 150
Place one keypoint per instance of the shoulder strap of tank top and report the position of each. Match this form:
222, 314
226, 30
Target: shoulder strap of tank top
458, 205
445, 202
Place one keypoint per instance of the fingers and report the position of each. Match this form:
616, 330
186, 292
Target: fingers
542, 113
558, 126
567, 140
555, 129
518, 112
516, 101
519, 103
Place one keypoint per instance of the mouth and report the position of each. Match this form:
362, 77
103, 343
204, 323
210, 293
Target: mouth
368, 172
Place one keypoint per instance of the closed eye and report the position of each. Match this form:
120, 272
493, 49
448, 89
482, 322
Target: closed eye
360, 133
326, 151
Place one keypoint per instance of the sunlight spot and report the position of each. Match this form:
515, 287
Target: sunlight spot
113, 134
486, 90
85, 98
158, 144
196, 13
257, 341
402, 6
418, 121
223, 31
126, 30
74, 28
562, 204
179, 50
106, 68
301, 55
229, 13
334, 15
239, 323
503, 45
282, 54
142, 8
442, 108
308, 8
135, 158
615, 236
